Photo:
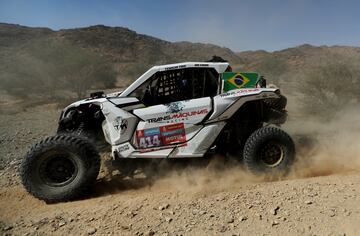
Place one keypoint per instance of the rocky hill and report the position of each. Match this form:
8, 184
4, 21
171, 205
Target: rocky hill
129, 50
125, 48
58, 64
297, 59
42, 61
124, 45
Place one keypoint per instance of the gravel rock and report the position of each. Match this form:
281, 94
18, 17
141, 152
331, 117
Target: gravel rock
242, 218
164, 206
230, 220
222, 229
274, 210
61, 223
274, 222
7, 228
91, 230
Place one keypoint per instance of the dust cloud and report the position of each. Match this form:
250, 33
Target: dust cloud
327, 147
324, 147
219, 175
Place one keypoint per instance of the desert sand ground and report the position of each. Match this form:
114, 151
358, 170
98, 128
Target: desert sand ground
321, 196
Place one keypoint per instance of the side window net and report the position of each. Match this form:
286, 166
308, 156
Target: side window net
169, 86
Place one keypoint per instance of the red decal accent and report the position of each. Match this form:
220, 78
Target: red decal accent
166, 135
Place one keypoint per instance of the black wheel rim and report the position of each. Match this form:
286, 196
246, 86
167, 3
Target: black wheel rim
272, 154
58, 170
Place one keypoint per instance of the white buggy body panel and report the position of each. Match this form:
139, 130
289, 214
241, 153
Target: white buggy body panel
189, 135
178, 129
170, 114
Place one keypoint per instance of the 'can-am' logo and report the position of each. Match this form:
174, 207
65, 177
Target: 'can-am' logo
175, 107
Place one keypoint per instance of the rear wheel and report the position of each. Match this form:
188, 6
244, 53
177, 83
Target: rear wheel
60, 168
269, 150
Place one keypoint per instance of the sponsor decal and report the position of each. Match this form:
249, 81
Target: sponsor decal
179, 116
175, 67
201, 65
174, 133
117, 123
238, 92
162, 148
124, 148
120, 124
184, 66
123, 126
175, 107
161, 136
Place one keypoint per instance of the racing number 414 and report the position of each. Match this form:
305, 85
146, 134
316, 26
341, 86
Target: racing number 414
149, 141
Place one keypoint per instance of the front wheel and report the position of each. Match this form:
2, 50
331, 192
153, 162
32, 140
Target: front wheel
269, 150
60, 168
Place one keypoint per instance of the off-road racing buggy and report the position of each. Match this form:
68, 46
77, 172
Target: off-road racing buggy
172, 112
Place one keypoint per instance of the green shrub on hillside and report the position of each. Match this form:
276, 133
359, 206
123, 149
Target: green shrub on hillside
330, 87
45, 66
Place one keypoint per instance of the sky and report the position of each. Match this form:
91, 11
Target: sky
239, 25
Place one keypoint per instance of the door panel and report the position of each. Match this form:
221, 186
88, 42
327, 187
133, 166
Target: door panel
171, 124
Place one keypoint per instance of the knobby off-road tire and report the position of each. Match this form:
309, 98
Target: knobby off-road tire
87, 134
60, 168
269, 150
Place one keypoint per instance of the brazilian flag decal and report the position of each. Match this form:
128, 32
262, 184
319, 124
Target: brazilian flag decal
236, 80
